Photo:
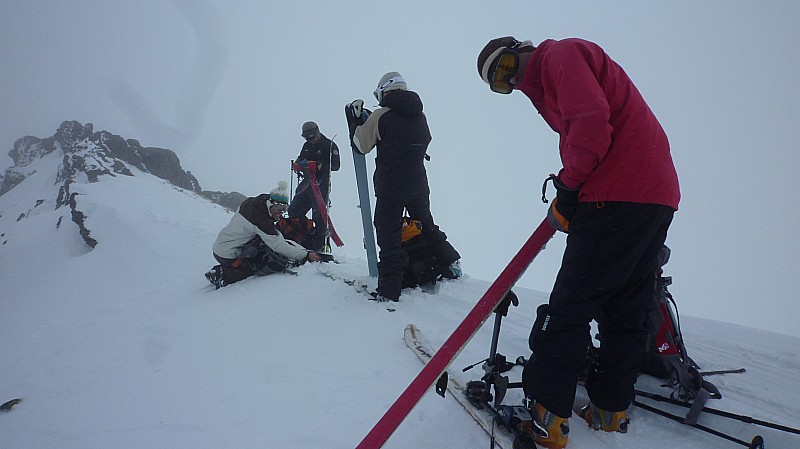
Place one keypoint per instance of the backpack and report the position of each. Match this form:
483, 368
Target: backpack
298, 229
262, 259
421, 267
667, 358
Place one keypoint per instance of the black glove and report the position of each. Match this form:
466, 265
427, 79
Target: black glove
353, 113
356, 115
564, 205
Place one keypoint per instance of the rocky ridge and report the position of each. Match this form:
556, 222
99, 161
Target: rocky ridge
90, 155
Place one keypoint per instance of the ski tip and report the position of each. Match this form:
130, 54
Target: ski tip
8, 405
412, 332
757, 443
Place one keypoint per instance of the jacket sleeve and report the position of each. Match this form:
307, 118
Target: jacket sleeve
257, 222
282, 246
585, 112
303, 153
367, 135
335, 160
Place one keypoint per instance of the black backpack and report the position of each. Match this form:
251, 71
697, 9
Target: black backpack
421, 267
262, 259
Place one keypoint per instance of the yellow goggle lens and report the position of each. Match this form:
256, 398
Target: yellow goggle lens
504, 70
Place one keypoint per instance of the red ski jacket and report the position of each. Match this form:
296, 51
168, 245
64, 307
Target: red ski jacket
612, 145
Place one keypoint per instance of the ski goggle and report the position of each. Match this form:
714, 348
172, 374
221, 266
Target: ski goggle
504, 68
379, 91
280, 207
309, 135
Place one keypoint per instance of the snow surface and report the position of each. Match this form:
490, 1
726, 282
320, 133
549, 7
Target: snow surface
128, 346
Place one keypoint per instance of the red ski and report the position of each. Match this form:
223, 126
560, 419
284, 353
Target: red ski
460, 337
312, 168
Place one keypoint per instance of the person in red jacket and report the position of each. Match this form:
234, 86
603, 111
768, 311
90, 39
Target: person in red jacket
615, 198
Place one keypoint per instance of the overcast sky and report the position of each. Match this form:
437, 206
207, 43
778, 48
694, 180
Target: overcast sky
227, 86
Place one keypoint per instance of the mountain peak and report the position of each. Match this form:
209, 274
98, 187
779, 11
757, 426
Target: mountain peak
103, 153
88, 156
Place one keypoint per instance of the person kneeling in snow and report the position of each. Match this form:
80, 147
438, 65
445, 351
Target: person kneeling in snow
251, 244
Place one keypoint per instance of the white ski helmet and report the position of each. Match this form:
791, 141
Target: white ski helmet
389, 82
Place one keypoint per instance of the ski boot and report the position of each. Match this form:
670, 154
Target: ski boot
375, 296
454, 270
546, 429
599, 419
214, 276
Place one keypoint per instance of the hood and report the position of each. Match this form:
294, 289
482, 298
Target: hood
406, 102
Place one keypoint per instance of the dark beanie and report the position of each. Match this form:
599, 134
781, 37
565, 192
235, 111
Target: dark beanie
308, 127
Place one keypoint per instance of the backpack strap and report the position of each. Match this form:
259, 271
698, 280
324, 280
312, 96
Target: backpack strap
692, 386
697, 407
248, 251
707, 391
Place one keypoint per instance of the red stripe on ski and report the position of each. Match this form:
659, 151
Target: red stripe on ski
460, 337
321, 203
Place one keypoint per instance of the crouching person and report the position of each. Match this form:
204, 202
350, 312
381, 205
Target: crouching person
251, 244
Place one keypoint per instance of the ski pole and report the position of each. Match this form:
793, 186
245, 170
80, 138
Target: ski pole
469, 367
723, 371
713, 411
291, 180
328, 196
756, 443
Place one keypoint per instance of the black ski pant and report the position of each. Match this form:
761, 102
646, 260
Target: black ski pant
303, 201
608, 273
252, 260
389, 228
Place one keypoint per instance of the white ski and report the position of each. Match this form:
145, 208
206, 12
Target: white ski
502, 437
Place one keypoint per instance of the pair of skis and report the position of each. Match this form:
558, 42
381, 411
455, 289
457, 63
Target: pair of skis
502, 423
438, 363
323, 209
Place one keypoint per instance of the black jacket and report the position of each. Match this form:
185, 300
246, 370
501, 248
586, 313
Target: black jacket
321, 152
399, 130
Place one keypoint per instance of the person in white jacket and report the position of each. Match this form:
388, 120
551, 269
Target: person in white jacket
254, 219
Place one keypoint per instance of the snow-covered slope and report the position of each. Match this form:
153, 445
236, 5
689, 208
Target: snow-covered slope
127, 346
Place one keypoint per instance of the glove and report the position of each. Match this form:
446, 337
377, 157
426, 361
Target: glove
356, 115
300, 167
352, 111
563, 207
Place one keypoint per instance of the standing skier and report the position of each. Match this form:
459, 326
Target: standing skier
615, 197
325, 153
400, 132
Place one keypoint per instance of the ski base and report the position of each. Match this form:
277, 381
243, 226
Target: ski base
360, 286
